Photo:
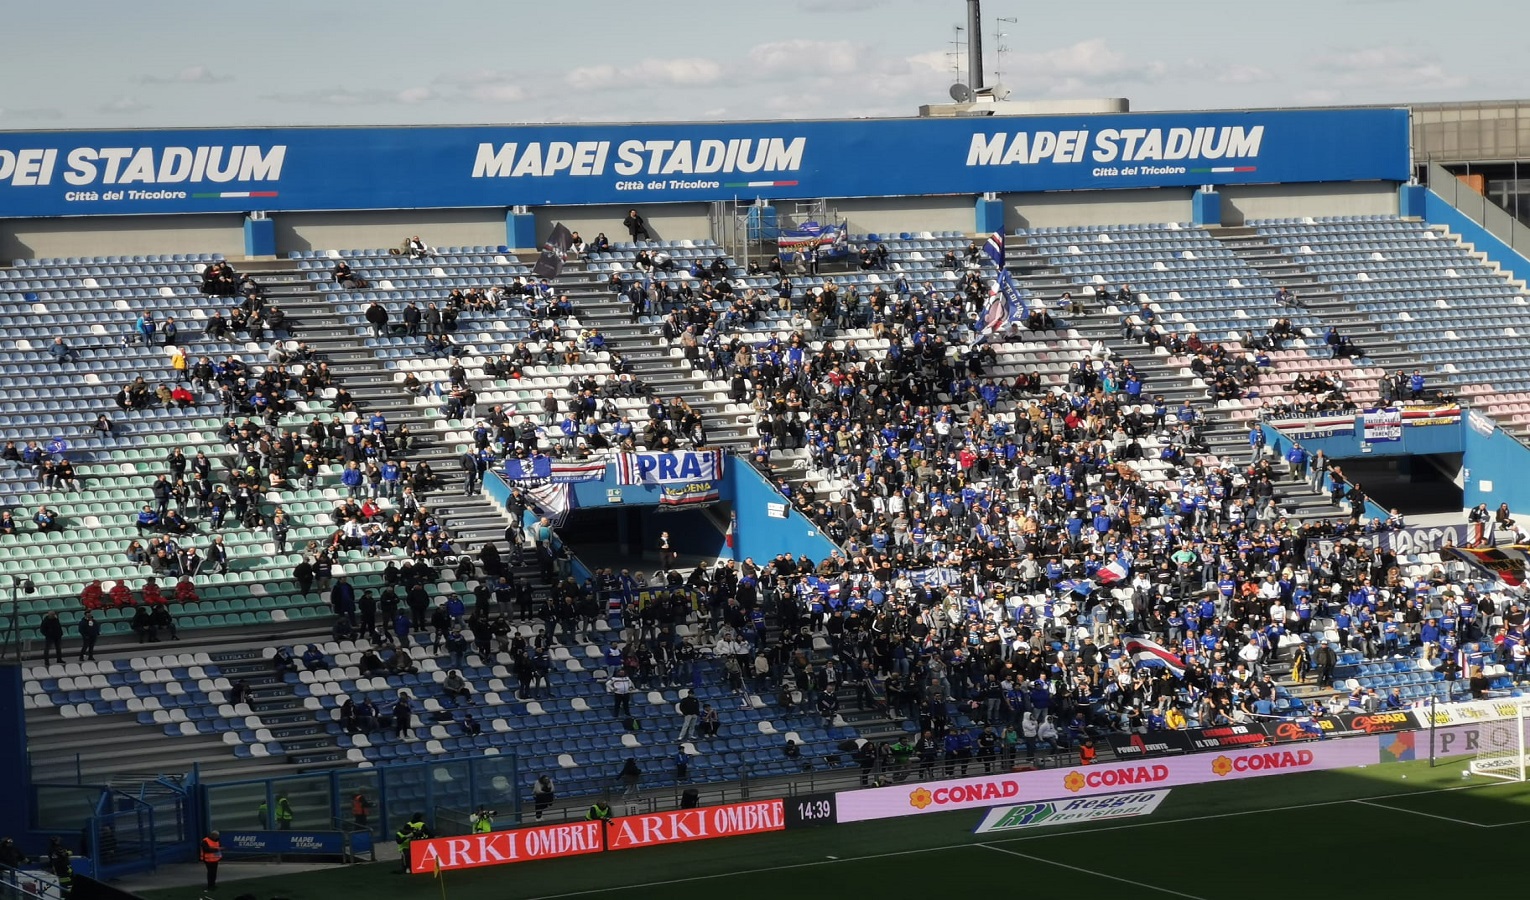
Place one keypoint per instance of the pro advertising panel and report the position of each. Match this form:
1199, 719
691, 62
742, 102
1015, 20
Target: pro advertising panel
1111, 778
273, 169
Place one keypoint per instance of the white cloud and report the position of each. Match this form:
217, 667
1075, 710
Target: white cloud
647, 73
415, 95
1386, 68
497, 93
198, 74
122, 104
340, 96
807, 57
1080, 66
31, 112
839, 6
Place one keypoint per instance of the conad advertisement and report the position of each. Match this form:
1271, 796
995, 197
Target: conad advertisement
500, 847
1111, 778
77, 173
702, 824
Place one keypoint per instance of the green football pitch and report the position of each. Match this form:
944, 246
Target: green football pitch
1383, 831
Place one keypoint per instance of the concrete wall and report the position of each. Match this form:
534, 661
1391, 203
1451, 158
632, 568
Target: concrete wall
1068, 208
883, 215
388, 228
666, 222
1277, 201
121, 236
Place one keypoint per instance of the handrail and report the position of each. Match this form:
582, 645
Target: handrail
1498, 222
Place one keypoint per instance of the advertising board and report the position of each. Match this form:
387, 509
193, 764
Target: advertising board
68, 173
1109, 778
1049, 813
498, 848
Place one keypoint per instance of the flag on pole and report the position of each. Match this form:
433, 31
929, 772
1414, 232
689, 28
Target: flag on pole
728, 535
994, 247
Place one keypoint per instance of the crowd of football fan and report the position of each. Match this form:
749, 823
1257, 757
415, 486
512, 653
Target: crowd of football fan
983, 522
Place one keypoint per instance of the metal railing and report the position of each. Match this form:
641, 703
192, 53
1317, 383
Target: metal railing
1498, 222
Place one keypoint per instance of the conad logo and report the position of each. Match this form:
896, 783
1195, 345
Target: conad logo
1120, 777
923, 798
1261, 762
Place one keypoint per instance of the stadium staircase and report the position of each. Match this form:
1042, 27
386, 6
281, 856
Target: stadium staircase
658, 365
474, 520
1225, 436
1320, 299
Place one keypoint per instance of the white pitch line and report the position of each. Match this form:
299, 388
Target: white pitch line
1144, 823
1414, 812
1061, 865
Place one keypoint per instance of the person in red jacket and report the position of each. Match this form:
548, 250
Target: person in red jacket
211, 853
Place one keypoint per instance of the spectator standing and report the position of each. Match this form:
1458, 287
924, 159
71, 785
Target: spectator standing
53, 638
620, 686
690, 712
543, 794
636, 226
631, 774
90, 631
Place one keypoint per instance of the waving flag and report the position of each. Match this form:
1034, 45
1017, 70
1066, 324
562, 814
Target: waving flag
994, 247
1111, 574
1149, 652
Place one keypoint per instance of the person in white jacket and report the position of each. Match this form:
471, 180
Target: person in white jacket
620, 687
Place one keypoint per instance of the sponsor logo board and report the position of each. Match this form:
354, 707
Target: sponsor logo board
1051, 813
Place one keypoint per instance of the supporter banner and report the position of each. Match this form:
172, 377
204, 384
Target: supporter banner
545, 468
284, 843
832, 241
64, 173
1383, 425
1444, 414
1414, 539
1062, 783
1221, 736
701, 824
1302, 428
652, 467
1481, 423
500, 847
1066, 812
1506, 563
685, 496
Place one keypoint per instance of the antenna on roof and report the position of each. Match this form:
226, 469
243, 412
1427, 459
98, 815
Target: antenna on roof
961, 93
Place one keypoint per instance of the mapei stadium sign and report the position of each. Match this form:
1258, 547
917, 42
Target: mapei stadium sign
70, 173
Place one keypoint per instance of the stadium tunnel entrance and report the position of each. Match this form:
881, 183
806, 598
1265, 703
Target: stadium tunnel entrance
627, 537
1412, 485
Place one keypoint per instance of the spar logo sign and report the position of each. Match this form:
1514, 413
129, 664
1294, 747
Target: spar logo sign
922, 798
1123, 776
1274, 760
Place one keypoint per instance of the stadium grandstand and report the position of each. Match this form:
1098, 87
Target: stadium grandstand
521, 486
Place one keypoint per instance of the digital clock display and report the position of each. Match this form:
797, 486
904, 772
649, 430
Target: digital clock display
810, 810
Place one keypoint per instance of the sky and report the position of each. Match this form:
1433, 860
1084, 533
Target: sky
169, 63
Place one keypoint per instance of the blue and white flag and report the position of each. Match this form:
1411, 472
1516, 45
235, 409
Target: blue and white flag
994, 247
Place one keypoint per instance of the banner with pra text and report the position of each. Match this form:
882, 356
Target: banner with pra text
656, 467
